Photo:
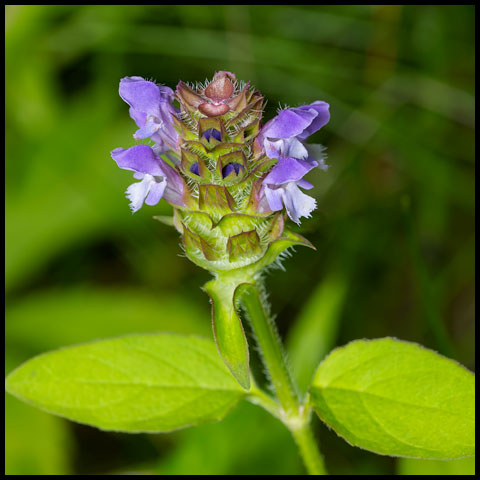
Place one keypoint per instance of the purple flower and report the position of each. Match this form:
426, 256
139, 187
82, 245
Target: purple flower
158, 178
282, 138
281, 188
152, 109
283, 135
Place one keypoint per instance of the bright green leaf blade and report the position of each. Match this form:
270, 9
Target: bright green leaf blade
414, 466
140, 383
228, 331
397, 398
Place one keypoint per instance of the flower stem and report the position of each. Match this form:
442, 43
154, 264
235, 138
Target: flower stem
311, 456
294, 414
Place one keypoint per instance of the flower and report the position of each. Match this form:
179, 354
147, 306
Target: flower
282, 138
158, 178
280, 187
284, 134
152, 109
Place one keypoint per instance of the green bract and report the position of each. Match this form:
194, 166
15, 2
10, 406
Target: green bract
141, 383
397, 398
227, 326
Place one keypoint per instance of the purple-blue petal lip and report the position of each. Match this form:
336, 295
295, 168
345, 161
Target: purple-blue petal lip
194, 169
288, 170
298, 122
232, 167
212, 133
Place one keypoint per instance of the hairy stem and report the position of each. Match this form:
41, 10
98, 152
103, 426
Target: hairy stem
308, 448
293, 413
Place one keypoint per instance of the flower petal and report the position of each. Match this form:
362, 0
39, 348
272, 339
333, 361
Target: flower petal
139, 158
296, 202
175, 188
151, 126
194, 168
232, 167
156, 191
152, 109
304, 184
288, 170
289, 123
212, 132
321, 119
285, 147
273, 148
142, 95
274, 197
139, 117
137, 192
163, 180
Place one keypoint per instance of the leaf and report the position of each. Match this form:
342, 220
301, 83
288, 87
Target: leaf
140, 383
397, 398
228, 330
413, 466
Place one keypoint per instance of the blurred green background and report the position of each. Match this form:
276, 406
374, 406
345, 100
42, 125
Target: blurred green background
394, 229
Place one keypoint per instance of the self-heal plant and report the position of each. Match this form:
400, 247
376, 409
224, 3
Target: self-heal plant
235, 184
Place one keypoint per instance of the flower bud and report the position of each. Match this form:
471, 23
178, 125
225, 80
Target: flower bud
221, 87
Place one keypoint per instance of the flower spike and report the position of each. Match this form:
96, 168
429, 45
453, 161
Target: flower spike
231, 181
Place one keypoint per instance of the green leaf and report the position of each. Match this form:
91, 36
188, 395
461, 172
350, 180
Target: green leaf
414, 466
228, 330
140, 383
397, 398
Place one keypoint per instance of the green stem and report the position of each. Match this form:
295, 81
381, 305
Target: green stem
295, 415
312, 458
259, 397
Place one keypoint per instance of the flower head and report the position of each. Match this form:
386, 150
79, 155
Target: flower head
228, 178
231, 183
